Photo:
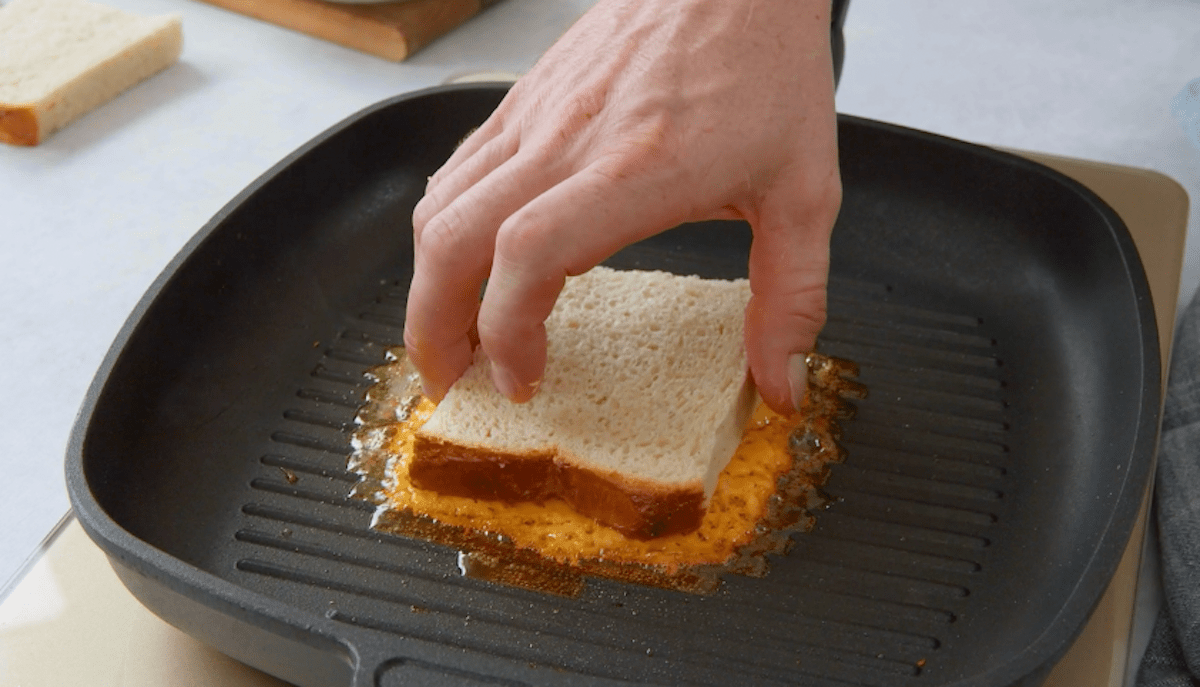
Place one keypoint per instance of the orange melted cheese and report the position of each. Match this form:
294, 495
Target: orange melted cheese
555, 531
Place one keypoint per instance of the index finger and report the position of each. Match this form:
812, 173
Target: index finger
450, 263
563, 232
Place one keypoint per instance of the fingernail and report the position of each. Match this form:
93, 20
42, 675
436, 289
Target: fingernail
506, 382
797, 372
511, 387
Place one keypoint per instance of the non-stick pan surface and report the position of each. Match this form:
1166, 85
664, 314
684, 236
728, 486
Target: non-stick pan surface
998, 311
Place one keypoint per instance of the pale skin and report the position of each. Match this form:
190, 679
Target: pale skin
644, 115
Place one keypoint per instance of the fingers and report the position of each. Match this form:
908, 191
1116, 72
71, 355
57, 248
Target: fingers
471, 144
454, 184
576, 224
450, 264
495, 126
565, 231
440, 349
789, 272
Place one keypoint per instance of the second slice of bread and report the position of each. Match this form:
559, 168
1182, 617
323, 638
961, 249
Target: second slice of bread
60, 59
643, 403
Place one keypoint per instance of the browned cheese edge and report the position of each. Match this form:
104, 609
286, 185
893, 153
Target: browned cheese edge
641, 509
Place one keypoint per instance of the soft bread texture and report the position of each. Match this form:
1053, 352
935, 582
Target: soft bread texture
643, 402
59, 59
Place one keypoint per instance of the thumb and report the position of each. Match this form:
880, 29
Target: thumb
789, 273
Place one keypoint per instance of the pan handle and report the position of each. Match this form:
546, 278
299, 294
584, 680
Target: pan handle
394, 671
371, 669
368, 671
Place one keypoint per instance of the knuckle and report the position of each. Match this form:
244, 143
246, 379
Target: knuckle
819, 194
493, 332
810, 320
504, 339
826, 198
425, 210
647, 147
523, 239
444, 237
509, 341
581, 107
798, 308
794, 308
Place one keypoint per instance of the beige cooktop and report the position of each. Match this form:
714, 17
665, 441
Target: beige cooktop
69, 621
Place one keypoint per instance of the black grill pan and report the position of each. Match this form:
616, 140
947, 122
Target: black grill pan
1000, 316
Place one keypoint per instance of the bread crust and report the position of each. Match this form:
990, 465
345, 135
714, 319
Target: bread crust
19, 125
637, 508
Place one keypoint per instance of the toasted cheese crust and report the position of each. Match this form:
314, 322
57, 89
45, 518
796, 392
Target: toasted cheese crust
641, 509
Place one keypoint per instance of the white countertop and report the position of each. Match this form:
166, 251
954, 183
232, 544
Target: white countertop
89, 218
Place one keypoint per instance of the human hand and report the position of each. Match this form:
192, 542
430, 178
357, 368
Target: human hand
644, 115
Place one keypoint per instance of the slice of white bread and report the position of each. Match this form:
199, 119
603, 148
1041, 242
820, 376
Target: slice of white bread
60, 59
643, 403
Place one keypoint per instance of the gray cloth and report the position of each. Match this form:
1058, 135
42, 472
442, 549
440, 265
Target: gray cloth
1173, 657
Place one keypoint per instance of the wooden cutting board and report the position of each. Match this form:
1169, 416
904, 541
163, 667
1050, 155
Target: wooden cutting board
391, 30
